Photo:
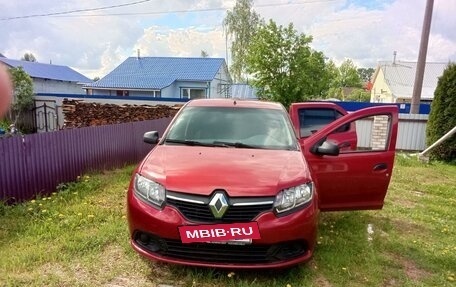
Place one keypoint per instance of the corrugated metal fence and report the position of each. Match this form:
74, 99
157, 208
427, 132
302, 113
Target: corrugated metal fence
411, 134
37, 163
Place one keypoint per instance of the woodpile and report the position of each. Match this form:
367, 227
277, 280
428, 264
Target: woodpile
81, 114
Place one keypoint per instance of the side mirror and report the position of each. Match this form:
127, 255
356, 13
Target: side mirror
326, 148
151, 137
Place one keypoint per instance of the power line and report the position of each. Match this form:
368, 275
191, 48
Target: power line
74, 11
63, 14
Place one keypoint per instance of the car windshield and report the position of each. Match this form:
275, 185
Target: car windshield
232, 127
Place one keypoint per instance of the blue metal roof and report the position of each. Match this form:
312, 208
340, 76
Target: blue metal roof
47, 71
159, 72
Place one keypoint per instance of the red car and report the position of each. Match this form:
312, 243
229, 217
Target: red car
229, 185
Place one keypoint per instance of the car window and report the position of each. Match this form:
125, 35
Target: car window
312, 120
262, 128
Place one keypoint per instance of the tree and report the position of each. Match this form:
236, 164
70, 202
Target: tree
96, 79
240, 24
29, 57
348, 75
366, 73
23, 89
204, 54
332, 72
358, 95
344, 79
284, 67
442, 117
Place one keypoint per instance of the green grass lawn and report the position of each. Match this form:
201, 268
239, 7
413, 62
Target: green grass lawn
79, 237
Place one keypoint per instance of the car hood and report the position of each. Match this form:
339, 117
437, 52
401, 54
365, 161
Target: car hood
240, 172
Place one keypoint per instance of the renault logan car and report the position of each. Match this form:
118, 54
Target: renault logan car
230, 185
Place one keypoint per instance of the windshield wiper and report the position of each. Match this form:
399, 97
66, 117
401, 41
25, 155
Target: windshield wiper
189, 142
213, 144
234, 144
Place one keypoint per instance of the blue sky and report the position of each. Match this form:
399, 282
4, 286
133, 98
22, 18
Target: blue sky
369, 4
364, 31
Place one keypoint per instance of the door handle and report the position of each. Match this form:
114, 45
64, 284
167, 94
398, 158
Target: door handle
380, 166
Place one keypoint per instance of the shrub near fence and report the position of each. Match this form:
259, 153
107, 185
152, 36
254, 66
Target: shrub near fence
38, 163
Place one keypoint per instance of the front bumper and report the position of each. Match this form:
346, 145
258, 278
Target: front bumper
285, 241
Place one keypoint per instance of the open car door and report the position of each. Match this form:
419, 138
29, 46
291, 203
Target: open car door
349, 179
309, 117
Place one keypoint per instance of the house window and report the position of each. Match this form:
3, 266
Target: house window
191, 93
122, 93
156, 94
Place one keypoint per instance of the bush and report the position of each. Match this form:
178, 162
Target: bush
23, 89
442, 117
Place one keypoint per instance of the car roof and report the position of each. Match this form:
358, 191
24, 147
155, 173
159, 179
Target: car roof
235, 102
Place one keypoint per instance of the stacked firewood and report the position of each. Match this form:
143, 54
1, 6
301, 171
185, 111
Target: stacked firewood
83, 114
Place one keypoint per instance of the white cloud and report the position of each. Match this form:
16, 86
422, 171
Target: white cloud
370, 35
96, 45
181, 42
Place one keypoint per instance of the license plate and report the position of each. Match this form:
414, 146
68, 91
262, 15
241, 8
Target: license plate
241, 233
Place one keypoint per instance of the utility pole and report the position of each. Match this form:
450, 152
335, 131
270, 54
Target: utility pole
420, 66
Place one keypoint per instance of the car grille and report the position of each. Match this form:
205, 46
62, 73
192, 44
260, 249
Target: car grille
200, 212
221, 253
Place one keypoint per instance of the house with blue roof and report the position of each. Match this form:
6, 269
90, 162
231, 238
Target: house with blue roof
160, 78
50, 79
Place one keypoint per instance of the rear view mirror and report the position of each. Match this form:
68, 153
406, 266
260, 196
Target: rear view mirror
326, 148
151, 137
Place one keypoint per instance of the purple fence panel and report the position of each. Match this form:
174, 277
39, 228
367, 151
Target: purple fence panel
38, 163
12, 167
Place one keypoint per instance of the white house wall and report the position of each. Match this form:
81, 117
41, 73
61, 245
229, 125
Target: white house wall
56, 87
174, 90
221, 78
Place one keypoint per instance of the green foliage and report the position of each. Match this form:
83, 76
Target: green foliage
344, 81
347, 75
284, 67
366, 74
442, 117
335, 93
29, 57
23, 89
332, 70
240, 25
358, 95
4, 124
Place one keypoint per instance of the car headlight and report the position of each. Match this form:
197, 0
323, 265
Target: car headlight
293, 197
149, 191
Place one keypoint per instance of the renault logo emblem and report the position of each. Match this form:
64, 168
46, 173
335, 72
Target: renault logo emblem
218, 205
